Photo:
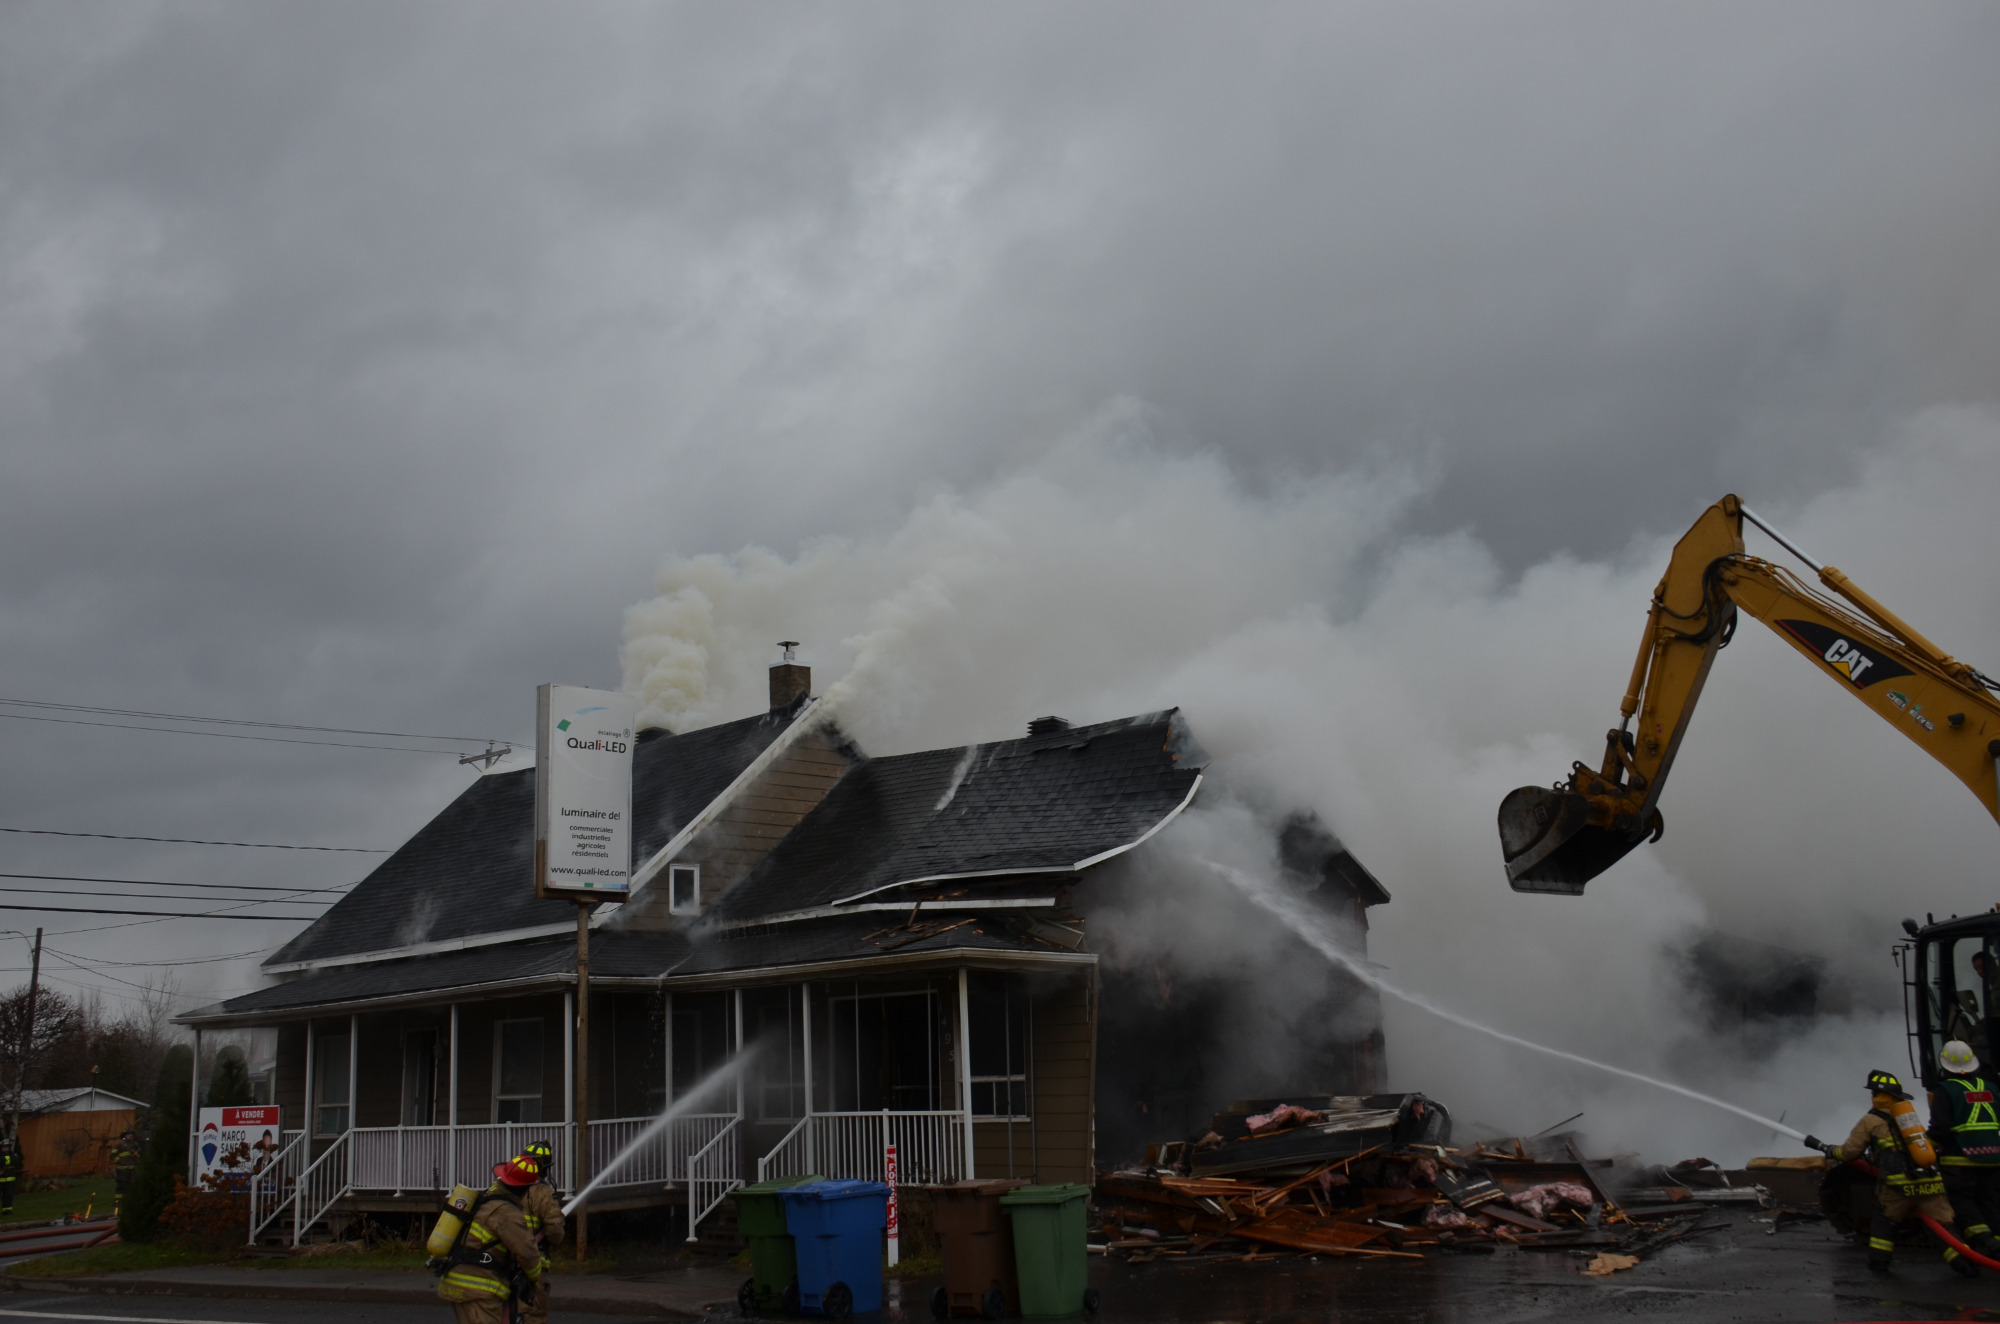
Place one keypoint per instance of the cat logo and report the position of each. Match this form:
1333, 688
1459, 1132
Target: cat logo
1858, 664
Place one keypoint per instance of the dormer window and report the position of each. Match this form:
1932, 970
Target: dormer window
683, 888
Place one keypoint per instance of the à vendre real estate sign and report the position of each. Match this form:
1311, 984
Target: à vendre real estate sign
583, 791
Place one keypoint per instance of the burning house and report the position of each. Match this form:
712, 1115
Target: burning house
915, 945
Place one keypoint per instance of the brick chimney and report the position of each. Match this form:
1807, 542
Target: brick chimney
790, 681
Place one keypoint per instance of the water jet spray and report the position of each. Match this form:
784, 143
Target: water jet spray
1312, 929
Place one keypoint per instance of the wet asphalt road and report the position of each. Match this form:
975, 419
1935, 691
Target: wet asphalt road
1803, 1272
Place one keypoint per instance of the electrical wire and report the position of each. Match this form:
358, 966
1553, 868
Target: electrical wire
223, 735
101, 960
68, 892
157, 914
161, 882
224, 913
195, 841
239, 721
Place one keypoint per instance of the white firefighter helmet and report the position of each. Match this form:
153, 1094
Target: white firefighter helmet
1958, 1058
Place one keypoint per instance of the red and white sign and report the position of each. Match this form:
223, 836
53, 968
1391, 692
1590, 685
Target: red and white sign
224, 1132
895, 1246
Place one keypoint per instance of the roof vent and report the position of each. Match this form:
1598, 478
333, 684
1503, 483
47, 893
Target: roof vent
1047, 726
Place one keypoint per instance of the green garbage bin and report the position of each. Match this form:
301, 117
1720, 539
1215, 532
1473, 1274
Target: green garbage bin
1051, 1254
773, 1284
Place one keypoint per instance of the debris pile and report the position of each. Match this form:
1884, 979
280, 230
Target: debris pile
1378, 1176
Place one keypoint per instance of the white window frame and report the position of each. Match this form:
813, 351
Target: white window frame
499, 1030
675, 872
997, 1086
321, 1104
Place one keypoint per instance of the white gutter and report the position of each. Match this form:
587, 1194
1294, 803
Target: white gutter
837, 909
422, 948
1078, 867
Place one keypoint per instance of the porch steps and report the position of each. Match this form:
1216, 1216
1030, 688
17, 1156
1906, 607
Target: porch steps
718, 1233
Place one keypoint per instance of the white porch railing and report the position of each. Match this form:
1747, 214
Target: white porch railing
712, 1173
930, 1147
271, 1185
320, 1185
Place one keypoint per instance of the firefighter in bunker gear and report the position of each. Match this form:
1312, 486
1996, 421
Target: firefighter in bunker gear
542, 1212
1967, 1135
124, 1160
495, 1267
10, 1173
1904, 1186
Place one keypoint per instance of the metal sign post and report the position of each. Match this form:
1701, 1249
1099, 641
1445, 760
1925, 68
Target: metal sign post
583, 849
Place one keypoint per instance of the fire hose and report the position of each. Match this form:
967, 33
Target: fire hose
1937, 1229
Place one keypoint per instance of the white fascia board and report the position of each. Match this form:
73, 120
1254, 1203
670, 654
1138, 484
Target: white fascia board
850, 901
984, 957
1078, 867
1145, 836
471, 940
835, 911
757, 767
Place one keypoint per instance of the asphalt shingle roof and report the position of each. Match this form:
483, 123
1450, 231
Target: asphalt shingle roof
1044, 802
613, 955
470, 870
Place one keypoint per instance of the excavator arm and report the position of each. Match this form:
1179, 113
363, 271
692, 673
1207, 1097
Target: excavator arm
1556, 840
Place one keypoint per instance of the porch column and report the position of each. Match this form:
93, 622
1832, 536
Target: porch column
353, 1078
668, 1034
806, 1025
312, 1057
739, 1052
451, 1117
965, 1064
194, 1106
569, 1084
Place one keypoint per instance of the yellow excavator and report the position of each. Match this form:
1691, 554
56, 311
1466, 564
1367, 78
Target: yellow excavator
1556, 840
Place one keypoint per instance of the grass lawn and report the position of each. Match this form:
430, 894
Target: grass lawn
76, 1195
106, 1259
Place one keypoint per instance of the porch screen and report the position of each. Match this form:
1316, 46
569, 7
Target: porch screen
330, 1085
885, 1048
998, 1012
517, 1094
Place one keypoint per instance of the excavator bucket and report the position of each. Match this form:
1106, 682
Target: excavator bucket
1550, 844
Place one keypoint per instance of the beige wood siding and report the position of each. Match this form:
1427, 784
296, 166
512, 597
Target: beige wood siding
1063, 1071
746, 830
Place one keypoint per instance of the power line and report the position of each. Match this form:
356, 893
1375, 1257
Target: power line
238, 721
225, 735
156, 914
161, 882
94, 961
194, 841
139, 896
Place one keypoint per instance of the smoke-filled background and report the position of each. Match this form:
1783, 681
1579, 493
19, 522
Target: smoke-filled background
1338, 374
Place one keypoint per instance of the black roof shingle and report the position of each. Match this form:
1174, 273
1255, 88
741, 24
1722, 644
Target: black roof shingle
469, 871
1043, 803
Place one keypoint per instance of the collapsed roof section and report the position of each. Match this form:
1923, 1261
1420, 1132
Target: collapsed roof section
1011, 816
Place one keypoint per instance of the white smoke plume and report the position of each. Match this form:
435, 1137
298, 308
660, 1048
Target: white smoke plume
1399, 686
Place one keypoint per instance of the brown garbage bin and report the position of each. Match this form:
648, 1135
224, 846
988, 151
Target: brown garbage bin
977, 1239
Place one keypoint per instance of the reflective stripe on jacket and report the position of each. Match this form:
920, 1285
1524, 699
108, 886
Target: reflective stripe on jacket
1965, 1125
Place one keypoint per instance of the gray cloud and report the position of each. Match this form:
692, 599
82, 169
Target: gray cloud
359, 364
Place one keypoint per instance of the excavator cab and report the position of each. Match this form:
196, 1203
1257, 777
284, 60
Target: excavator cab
1951, 989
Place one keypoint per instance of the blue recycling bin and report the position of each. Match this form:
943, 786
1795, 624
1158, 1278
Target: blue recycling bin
837, 1228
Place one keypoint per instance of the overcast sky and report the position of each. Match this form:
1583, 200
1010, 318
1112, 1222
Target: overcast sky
361, 363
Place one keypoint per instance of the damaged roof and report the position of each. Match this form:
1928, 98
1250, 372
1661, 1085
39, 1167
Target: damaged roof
469, 871
1054, 801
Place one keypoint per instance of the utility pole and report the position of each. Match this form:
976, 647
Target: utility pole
27, 1040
